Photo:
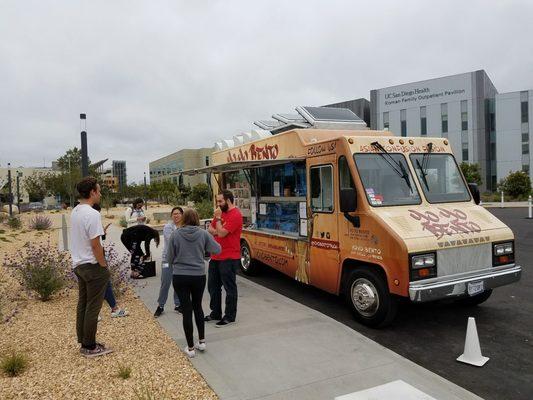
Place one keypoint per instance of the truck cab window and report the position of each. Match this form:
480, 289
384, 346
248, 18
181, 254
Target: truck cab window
345, 177
322, 188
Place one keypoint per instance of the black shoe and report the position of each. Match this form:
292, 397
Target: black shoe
209, 318
178, 309
223, 322
159, 311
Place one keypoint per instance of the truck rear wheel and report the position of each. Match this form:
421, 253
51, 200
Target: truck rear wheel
368, 295
248, 265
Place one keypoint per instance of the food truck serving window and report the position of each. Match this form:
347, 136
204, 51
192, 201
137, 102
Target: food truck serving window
440, 178
387, 179
322, 188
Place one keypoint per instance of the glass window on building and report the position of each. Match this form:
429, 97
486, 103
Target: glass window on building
444, 118
464, 145
524, 107
322, 188
464, 115
386, 124
525, 168
423, 122
403, 122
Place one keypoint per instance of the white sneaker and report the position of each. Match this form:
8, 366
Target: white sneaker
190, 353
200, 346
121, 312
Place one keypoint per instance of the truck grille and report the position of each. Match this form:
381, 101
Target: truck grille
463, 259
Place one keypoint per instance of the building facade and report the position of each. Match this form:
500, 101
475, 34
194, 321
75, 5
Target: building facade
118, 170
513, 132
23, 173
168, 167
484, 127
360, 107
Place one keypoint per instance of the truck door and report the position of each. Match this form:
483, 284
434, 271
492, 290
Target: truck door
324, 241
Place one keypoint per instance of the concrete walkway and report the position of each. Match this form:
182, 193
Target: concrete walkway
280, 349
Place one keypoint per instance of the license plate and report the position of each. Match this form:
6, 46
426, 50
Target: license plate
475, 288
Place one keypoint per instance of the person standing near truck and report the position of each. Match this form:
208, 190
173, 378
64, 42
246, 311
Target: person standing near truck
226, 227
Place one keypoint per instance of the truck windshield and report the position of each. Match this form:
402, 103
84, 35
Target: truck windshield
387, 179
440, 178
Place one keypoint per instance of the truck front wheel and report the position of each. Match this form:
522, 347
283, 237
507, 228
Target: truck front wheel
368, 295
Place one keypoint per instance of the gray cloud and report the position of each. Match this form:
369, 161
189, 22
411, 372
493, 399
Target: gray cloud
154, 77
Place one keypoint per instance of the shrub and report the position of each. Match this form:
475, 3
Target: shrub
124, 371
204, 209
40, 223
119, 267
472, 173
41, 268
122, 222
14, 364
14, 222
517, 185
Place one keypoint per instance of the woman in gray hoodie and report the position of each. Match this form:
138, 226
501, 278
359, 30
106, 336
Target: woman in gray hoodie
186, 252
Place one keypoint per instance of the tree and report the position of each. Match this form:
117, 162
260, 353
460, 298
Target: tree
472, 173
35, 185
200, 193
517, 184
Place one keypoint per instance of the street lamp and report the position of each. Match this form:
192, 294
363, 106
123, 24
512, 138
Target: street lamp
10, 193
19, 174
145, 194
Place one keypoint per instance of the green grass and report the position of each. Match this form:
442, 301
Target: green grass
124, 371
14, 364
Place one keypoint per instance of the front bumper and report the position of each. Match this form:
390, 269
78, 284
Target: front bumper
446, 287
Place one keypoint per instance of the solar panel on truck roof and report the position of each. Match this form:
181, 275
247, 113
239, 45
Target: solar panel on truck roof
331, 114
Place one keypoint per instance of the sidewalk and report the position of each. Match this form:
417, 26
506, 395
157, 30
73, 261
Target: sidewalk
280, 349
507, 204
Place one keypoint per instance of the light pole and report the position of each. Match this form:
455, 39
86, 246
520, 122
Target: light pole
19, 174
10, 193
84, 151
145, 194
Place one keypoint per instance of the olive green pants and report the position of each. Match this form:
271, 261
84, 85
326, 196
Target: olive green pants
92, 283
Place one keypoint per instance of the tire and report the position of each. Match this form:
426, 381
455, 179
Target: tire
368, 295
248, 265
475, 300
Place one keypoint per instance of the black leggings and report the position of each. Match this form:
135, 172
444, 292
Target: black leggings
190, 290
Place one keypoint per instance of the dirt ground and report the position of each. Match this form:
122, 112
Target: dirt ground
45, 333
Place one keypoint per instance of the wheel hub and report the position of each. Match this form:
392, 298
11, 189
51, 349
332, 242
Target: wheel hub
365, 297
245, 258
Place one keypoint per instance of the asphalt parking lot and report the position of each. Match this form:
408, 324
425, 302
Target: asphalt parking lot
432, 335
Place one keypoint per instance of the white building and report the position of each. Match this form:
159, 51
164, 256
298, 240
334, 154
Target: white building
483, 127
513, 144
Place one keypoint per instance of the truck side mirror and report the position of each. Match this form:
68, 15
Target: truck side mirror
348, 200
475, 192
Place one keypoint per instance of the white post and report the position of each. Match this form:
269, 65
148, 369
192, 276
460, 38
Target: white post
501, 203
529, 206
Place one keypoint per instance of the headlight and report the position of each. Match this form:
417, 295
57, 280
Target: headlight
423, 260
503, 248
502, 253
423, 266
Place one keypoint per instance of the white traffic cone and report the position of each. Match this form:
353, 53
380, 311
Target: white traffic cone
472, 353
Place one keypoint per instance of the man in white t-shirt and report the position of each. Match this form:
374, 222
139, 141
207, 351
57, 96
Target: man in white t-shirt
90, 266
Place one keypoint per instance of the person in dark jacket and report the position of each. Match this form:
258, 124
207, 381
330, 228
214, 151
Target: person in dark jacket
132, 238
185, 253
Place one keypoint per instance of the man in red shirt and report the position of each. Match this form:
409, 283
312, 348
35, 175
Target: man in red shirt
226, 227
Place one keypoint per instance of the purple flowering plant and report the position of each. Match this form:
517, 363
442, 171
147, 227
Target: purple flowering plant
41, 268
119, 267
40, 223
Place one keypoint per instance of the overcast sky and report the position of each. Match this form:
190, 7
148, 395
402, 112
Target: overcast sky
158, 76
